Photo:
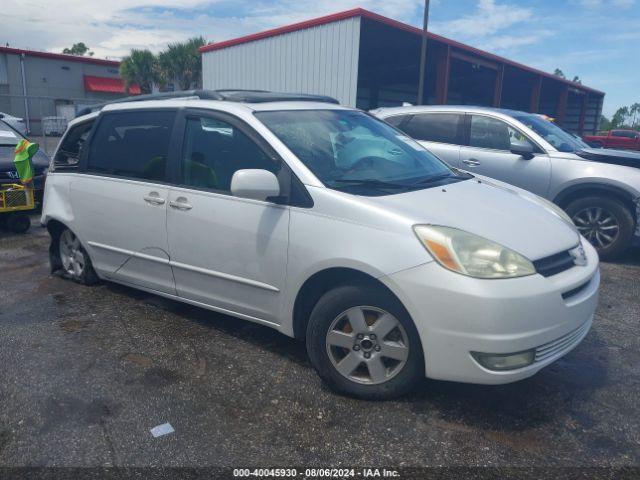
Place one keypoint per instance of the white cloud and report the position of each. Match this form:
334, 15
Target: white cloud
488, 19
111, 28
607, 3
491, 27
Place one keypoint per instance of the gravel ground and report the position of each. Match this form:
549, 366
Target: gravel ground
86, 372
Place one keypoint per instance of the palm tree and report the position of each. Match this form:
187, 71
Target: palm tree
181, 61
139, 67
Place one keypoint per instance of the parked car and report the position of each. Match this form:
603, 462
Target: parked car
9, 138
618, 139
326, 224
598, 189
15, 122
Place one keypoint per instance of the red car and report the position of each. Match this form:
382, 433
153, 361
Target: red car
621, 139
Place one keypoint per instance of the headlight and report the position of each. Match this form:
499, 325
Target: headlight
471, 255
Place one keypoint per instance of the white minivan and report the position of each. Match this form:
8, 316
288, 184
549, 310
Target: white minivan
328, 225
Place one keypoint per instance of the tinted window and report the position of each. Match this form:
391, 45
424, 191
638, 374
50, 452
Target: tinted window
132, 144
70, 149
396, 120
624, 134
436, 127
214, 150
492, 133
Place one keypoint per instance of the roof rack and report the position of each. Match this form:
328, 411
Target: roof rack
228, 95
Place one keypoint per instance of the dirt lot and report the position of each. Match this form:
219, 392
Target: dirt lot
87, 371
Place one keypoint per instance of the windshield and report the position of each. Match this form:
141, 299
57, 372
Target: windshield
350, 150
561, 140
8, 136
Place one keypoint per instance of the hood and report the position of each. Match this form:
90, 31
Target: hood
627, 158
492, 212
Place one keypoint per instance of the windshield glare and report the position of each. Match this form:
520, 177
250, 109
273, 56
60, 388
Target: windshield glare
346, 148
7, 135
561, 140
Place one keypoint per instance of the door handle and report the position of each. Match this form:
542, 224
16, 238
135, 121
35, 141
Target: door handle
472, 162
154, 199
180, 203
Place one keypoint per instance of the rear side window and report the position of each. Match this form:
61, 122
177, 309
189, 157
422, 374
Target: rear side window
623, 134
70, 150
436, 127
396, 120
132, 145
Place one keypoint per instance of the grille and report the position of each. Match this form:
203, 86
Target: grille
554, 264
561, 344
16, 198
575, 291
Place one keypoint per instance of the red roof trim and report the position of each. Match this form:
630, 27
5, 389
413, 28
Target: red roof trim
60, 56
108, 85
361, 12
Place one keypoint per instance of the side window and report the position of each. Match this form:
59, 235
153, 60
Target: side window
615, 133
436, 127
495, 134
396, 120
132, 144
70, 150
213, 150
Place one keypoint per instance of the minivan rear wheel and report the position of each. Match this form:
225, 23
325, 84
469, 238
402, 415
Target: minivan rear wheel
605, 222
363, 343
72, 259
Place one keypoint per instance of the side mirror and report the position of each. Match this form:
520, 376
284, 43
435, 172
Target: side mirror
525, 150
255, 184
1, 115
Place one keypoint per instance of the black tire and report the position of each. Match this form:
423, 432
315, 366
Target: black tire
617, 210
330, 306
87, 276
18, 223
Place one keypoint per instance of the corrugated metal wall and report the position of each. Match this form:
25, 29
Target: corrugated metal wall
322, 60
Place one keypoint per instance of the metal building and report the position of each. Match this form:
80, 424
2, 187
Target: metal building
36, 85
367, 60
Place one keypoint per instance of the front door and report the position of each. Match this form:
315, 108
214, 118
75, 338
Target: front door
489, 154
226, 252
120, 200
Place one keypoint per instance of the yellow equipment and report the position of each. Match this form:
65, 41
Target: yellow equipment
15, 201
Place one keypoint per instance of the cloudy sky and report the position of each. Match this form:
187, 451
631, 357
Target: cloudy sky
595, 39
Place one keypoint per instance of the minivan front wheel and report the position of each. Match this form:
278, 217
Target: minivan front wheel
363, 343
605, 222
73, 259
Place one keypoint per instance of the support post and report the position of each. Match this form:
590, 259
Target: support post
561, 111
423, 53
583, 113
497, 92
535, 95
442, 75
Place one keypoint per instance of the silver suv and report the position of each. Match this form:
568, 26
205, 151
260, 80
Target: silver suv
528, 151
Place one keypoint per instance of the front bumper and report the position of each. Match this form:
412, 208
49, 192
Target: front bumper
456, 315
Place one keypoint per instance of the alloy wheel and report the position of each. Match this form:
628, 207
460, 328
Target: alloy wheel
367, 345
71, 254
598, 225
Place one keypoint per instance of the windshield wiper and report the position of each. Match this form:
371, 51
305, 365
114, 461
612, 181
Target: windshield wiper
370, 182
434, 179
